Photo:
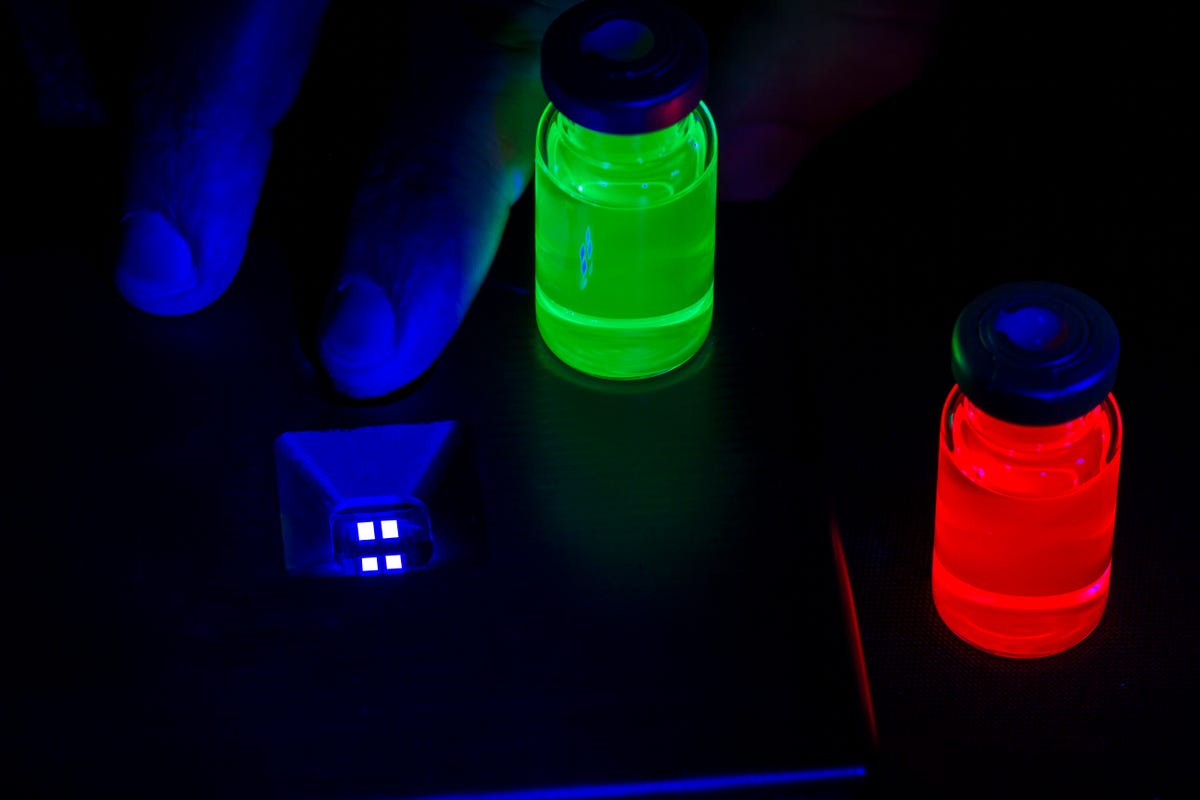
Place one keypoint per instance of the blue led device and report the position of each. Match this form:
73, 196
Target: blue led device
376, 500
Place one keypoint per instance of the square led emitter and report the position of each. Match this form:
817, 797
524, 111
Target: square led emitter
399, 534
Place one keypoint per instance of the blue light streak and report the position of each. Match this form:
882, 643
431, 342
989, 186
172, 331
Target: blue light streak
675, 786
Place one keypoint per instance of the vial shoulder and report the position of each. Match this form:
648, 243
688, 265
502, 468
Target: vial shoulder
1028, 460
627, 169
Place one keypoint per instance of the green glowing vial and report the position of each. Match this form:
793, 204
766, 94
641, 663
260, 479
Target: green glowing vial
625, 189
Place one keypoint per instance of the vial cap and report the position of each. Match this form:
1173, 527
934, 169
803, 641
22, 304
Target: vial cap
1035, 352
622, 66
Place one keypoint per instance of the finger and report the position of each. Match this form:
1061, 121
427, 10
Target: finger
429, 215
792, 73
220, 77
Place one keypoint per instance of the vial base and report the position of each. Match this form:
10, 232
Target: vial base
1017, 626
623, 349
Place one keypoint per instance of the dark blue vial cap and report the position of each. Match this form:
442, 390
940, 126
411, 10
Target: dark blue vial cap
624, 66
1035, 352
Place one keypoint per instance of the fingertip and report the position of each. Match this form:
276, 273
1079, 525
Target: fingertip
155, 270
356, 341
374, 345
358, 326
193, 199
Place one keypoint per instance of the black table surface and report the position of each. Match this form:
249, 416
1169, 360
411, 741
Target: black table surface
660, 595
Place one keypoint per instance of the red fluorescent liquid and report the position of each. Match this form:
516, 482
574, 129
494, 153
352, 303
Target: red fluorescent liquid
1024, 527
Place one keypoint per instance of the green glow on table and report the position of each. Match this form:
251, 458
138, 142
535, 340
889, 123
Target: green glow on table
624, 232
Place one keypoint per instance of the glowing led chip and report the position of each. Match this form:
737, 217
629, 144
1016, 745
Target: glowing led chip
370, 564
398, 536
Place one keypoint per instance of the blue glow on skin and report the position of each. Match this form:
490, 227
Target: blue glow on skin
679, 786
215, 85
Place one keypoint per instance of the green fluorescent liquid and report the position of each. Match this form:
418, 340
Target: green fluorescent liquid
624, 231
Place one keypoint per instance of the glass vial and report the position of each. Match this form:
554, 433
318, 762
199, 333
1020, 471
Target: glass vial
625, 190
1029, 455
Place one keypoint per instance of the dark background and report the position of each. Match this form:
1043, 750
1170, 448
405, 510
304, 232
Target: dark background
1040, 145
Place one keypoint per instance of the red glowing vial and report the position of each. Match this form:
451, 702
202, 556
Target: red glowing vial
1028, 462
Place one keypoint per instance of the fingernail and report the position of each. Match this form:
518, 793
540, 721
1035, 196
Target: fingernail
155, 261
359, 327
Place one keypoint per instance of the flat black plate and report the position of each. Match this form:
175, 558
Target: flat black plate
658, 602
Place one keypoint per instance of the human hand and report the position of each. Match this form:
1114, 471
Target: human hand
455, 150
